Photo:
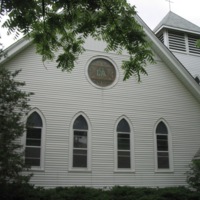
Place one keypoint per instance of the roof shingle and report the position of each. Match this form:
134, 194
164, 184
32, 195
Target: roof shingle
175, 21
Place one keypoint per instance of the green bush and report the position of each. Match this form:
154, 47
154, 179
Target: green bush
193, 175
17, 191
14, 105
28, 192
130, 193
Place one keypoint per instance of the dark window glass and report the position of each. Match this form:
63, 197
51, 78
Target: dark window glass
124, 159
123, 141
162, 142
31, 142
34, 120
163, 160
80, 123
34, 133
32, 162
33, 137
32, 156
79, 158
161, 128
32, 152
80, 139
123, 126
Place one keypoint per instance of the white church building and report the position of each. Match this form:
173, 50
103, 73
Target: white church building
91, 128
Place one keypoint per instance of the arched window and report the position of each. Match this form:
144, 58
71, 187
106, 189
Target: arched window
162, 144
123, 145
34, 130
80, 143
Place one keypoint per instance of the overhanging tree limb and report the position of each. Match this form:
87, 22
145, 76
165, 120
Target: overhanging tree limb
69, 22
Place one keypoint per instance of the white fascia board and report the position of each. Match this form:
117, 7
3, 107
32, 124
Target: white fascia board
176, 29
14, 49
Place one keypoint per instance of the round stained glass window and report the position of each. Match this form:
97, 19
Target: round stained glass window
102, 72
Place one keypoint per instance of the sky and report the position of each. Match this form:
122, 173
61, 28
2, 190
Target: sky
151, 11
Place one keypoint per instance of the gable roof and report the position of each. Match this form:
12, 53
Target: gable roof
157, 46
172, 20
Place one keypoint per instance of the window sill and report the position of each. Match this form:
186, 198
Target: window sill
164, 171
80, 170
36, 169
124, 171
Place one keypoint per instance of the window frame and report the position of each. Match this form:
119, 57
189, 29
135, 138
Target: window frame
42, 145
170, 152
71, 145
132, 146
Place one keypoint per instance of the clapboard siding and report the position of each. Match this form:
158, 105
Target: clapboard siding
61, 95
191, 62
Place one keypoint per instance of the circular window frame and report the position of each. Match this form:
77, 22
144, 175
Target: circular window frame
107, 59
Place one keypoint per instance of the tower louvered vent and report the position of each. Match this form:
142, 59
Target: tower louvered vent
161, 38
177, 41
192, 42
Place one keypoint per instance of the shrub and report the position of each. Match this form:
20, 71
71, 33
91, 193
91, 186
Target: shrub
13, 106
193, 175
28, 192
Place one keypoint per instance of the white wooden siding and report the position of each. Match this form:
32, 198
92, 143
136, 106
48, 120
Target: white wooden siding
60, 95
191, 62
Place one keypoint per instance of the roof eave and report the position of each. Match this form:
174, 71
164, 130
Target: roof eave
14, 49
175, 28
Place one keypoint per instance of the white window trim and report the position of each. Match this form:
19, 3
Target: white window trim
171, 169
132, 146
166, 38
43, 136
186, 43
88, 168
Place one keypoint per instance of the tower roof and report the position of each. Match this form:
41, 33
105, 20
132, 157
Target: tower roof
174, 21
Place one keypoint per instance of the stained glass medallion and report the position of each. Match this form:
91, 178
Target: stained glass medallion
102, 72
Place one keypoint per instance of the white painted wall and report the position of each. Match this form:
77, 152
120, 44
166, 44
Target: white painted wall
61, 95
190, 61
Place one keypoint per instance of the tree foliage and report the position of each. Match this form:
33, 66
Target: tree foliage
87, 193
13, 106
65, 24
198, 43
193, 175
